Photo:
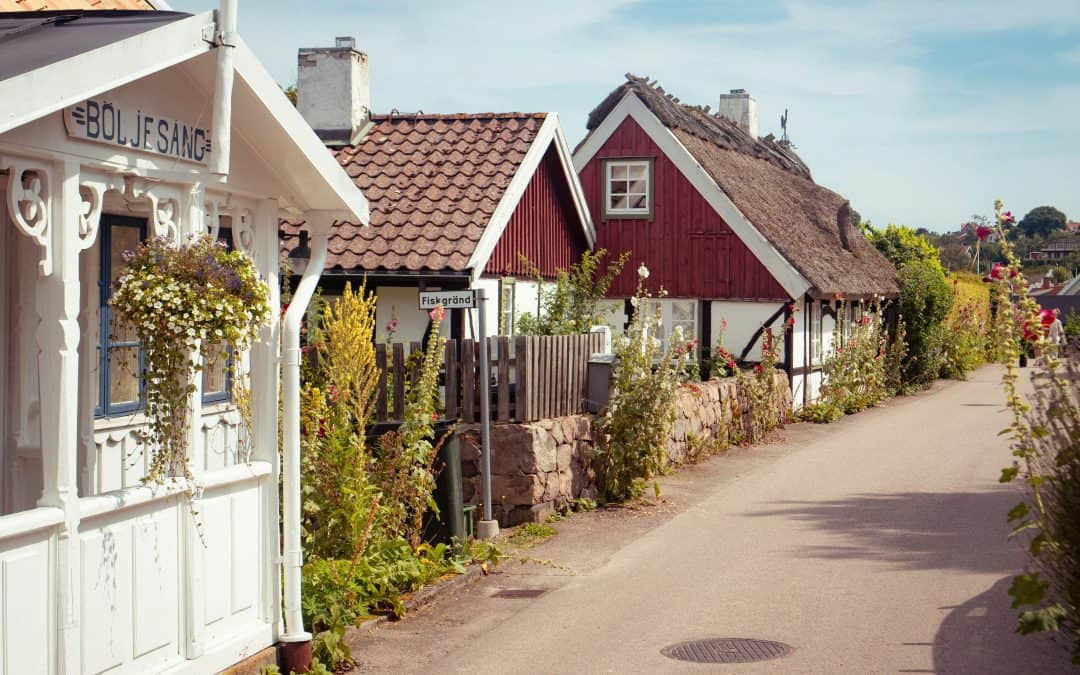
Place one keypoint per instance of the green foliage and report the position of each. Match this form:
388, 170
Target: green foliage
531, 534
1042, 221
967, 327
363, 507
821, 412
633, 432
572, 306
1071, 322
903, 245
925, 301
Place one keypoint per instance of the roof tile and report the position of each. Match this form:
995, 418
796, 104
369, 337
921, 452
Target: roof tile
433, 183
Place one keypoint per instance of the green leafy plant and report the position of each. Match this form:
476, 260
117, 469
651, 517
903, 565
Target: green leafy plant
967, 327
572, 306
925, 301
181, 300
757, 386
531, 534
633, 431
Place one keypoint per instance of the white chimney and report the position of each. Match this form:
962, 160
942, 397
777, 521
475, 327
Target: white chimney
333, 90
741, 108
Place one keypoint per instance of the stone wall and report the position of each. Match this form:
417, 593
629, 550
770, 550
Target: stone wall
542, 467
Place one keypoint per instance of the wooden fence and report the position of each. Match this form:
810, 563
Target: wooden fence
532, 377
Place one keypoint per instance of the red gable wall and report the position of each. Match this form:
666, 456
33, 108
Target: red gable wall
544, 227
688, 248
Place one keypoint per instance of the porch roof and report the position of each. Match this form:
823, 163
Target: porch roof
62, 58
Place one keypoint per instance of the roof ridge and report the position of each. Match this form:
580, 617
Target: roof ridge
421, 115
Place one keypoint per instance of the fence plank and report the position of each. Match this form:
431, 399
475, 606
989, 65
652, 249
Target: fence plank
503, 401
380, 395
521, 379
399, 380
468, 381
549, 379
575, 374
416, 361
450, 381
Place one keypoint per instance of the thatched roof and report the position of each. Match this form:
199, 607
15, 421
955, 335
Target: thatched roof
773, 188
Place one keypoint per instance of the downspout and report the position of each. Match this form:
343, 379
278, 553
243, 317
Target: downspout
221, 126
297, 640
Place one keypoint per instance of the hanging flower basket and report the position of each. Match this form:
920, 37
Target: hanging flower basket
182, 300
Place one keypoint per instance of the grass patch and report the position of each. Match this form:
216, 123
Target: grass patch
531, 534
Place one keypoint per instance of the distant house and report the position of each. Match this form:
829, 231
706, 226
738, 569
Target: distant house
1057, 249
969, 232
456, 200
731, 225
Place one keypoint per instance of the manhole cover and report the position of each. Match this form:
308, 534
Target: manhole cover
519, 593
726, 650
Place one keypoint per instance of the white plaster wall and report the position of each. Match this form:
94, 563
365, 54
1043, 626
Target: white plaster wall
743, 320
491, 306
526, 297
614, 315
404, 303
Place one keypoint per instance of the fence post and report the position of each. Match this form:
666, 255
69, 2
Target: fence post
450, 383
503, 364
521, 379
399, 380
380, 396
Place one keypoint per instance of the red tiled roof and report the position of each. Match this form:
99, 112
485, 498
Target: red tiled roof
433, 182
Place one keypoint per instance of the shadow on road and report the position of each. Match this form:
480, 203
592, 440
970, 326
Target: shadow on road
978, 637
913, 530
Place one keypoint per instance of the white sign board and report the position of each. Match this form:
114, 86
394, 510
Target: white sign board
448, 299
120, 125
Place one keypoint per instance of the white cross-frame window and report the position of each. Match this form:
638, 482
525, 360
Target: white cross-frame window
628, 188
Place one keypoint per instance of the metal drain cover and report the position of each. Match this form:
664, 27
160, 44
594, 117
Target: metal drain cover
726, 650
519, 593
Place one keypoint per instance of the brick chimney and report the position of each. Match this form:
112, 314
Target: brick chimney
741, 108
333, 90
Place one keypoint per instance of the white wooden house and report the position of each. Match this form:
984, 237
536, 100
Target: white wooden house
115, 127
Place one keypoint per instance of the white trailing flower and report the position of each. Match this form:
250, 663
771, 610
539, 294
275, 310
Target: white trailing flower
643, 272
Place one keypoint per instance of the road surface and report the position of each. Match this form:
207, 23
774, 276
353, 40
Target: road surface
874, 545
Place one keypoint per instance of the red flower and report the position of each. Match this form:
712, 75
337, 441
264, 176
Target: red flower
982, 232
1007, 218
866, 320
758, 368
438, 313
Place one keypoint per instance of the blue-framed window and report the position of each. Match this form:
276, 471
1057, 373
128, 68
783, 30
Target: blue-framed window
122, 387
217, 374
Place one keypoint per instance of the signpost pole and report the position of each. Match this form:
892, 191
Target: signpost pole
487, 527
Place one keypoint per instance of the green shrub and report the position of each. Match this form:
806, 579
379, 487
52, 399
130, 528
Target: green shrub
572, 306
967, 327
925, 301
855, 377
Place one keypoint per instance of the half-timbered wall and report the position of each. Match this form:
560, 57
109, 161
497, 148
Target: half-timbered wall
686, 245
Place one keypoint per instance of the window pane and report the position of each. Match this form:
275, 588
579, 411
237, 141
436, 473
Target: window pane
618, 171
639, 171
123, 375
641, 202
121, 331
682, 311
121, 239
618, 187
618, 202
215, 369
638, 187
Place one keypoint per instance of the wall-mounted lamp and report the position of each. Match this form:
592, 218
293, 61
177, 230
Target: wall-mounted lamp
300, 256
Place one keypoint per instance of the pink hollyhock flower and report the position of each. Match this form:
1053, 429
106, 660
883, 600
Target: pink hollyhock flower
438, 313
723, 325
1008, 218
866, 321
392, 325
758, 368
982, 232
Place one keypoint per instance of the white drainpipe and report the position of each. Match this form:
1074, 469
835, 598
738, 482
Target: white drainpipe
293, 555
221, 126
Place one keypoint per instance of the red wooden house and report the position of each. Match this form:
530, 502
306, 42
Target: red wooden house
732, 226
456, 199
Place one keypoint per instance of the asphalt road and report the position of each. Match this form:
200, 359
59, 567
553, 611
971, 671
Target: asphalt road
874, 545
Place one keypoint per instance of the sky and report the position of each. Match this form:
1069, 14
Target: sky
921, 112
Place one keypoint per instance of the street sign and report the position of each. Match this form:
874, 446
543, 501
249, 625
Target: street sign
448, 299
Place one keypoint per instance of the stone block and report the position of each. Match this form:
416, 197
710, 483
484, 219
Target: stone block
551, 486
564, 457
512, 449
517, 490
544, 454
557, 431
537, 513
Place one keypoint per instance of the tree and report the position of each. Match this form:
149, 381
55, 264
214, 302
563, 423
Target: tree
1042, 220
572, 306
953, 254
902, 245
290, 93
